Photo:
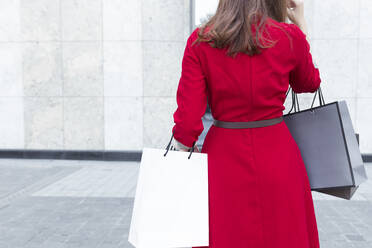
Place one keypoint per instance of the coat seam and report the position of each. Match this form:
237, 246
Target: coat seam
258, 182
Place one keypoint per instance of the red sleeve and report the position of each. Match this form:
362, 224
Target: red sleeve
191, 97
305, 76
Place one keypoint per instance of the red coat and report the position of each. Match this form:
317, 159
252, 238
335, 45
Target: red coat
259, 193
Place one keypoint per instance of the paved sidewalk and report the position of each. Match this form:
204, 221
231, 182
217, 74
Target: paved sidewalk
55, 204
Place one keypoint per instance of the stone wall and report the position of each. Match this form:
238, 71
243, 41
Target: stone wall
89, 74
341, 43
103, 74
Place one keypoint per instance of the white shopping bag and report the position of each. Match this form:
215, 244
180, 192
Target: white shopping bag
171, 201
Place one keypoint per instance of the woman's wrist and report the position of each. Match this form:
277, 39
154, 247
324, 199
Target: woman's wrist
179, 146
296, 14
301, 23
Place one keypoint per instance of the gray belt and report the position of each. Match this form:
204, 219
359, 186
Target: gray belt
248, 124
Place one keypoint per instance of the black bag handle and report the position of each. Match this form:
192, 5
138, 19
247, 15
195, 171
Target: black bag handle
295, 103
321, 98
172, 148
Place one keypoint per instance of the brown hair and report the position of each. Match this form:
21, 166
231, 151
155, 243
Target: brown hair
231, 25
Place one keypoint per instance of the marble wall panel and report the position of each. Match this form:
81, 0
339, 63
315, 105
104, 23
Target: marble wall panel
163, 20
42, 69
11, 76
158, 120
162, 67
40, 20
338, 65
81, 20
83, 120
12, 133
122, 20
123, 123
123, 68
336, 19
364, 86
82, 69
365, 19
43, 122
364, 124
10, 20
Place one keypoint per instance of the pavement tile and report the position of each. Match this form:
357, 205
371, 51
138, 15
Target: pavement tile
89, 204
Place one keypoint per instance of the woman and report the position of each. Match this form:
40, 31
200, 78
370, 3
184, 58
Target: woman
242, 62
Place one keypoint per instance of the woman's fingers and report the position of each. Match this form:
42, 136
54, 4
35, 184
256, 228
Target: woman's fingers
196, 149
295, 3
291, 4
295, 11
182, 149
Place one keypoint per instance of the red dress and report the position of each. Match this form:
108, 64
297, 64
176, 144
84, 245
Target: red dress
259, 193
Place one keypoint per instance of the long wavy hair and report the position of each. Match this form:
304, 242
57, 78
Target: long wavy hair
231, 25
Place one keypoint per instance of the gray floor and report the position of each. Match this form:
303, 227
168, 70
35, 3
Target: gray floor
52, 203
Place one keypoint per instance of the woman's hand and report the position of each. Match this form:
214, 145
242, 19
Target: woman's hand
196, 149
178, 146
296, 13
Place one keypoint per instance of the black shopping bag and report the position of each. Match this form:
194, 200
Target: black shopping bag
328, 145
